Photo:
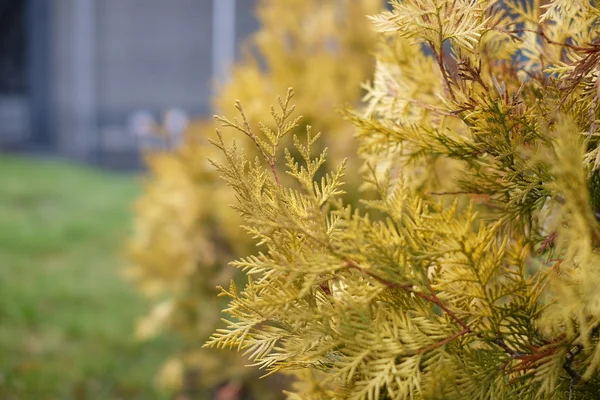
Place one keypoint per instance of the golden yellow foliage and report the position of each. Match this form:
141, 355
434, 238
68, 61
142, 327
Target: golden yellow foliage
185, 233
474, 272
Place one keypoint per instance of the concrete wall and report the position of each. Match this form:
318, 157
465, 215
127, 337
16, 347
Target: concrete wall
64, 108
245, 20
14, 103
111, 58
153, 53
14, 121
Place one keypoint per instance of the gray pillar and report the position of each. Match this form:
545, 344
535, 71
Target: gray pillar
84, 77
223, 45
38, 23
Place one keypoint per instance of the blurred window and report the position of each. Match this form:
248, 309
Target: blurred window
13, 50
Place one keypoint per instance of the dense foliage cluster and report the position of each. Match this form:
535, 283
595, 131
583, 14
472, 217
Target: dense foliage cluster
472, 273
185, 234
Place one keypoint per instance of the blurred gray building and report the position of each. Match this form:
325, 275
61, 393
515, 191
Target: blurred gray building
74, 72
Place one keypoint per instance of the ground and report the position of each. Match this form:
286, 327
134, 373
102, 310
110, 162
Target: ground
66, 314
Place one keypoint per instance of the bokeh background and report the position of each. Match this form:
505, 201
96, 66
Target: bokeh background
81, 84
80, 78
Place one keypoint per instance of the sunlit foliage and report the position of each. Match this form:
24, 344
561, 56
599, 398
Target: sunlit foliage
185, 232
473, 274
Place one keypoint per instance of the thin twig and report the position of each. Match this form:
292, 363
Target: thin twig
386, 283
274, 171
444, 342
547, 39
569, 358
439, 57
449, 193
547, 243
429, 107
410, 288
430, 298
499, 341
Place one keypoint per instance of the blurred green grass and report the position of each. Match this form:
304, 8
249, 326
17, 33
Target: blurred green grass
66, 315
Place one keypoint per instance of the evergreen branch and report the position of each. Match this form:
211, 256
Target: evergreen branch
269, 152
569, 358
384, 282
439, 57
575, 376
363, 295
453, 193
441, 343
548, 242
429, 107
550, 41
499, 341
410, 288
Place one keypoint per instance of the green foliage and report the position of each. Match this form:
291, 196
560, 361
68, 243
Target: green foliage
65, 313
473, 271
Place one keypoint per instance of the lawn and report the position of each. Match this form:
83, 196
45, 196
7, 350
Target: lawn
66, 315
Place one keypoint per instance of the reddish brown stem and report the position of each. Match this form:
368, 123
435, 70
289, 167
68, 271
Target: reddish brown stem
430, 298
386, 283
450, 193
274, 171
444, 342
547, 243
548, 40
410, 288
439, 57
434, 299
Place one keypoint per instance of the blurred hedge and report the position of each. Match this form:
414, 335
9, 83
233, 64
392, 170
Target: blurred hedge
185, 233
